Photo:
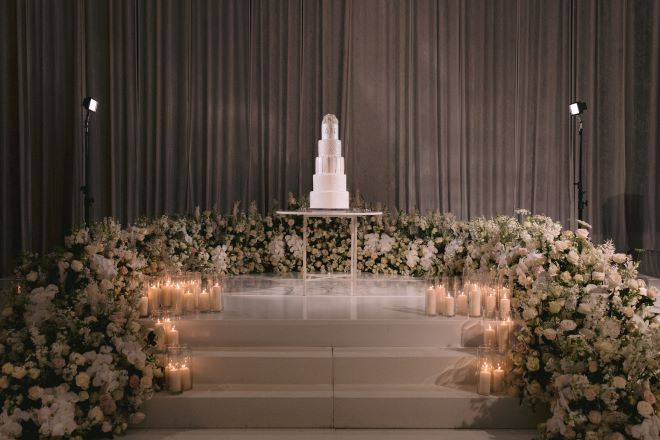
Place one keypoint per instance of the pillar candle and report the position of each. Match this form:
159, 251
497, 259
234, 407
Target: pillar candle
167, 324
174, 384
177, 299
173, 336
484, 380
505, 307
143, 306
449, 306
440, 295
189, 302
498, 380
159, 331
475, 300
490, 305
186, 377
153, 293
204, 301
462, 304
216, 298
490, 338
166, 295
503, 333
431, 302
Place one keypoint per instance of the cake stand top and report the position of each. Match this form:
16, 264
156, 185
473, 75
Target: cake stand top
309, 212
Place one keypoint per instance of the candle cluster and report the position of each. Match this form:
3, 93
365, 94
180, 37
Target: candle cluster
178, 372
472, 296
181, 294
491, 379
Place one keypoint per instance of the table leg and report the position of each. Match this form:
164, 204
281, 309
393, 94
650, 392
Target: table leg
304, 254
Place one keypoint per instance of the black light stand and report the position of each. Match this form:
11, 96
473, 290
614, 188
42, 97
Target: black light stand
576, 109
90, 105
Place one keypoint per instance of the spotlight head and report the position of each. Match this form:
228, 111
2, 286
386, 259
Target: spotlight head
577, 108
90, 104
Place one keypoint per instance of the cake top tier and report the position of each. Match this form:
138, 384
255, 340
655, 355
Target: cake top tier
330, 127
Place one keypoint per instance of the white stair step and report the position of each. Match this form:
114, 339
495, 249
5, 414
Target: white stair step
317, 406
213, 330
302, 406
403, 365
418, 406
271, 365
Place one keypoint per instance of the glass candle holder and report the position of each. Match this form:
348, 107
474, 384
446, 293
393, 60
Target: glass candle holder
474, 299
449, 304
489, 331
186, 367
440, 295
504, 334
173, 371
504, 294
489, 302
431, 301
484, 371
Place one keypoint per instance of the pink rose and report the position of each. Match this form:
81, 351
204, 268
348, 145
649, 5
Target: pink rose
590, 393
520, 347
59, 362
649, 397
107, 403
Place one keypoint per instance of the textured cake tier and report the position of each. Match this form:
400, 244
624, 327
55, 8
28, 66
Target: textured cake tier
330, 165
328, 199
329, 182
330, 127
329, 147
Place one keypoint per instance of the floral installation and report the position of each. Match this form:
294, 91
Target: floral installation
586, 342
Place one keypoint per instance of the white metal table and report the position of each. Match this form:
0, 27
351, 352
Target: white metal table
353, 214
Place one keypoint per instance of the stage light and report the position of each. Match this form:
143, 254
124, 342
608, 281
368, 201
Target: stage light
577, 108
90, 104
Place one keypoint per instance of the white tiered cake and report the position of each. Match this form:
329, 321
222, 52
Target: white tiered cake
329, 180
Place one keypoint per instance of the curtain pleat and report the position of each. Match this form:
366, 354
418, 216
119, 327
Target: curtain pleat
450, 105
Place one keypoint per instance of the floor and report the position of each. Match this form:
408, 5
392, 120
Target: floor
329, 434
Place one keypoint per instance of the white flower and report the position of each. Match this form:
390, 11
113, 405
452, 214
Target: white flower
95, 414
529, 314
76, 265
82, 380
619, 258
568, 325
619, 382
598, 276
584, 308
554, 307
566, 276
644, 408
595, 417
32, 276
573, 257
582, 233
550, 334
35, 392
19, 372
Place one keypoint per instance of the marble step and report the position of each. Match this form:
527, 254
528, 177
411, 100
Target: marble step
324, 365
319, 406
214, 330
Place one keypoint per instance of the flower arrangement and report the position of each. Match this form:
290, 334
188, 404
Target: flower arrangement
75, 360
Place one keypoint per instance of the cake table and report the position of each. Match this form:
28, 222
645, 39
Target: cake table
353, 214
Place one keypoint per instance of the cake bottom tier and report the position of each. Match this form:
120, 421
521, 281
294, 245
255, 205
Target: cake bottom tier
328, 199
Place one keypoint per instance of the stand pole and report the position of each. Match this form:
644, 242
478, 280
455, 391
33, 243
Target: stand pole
85, 189
580, 184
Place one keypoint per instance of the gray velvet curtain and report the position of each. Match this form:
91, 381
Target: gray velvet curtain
453, 105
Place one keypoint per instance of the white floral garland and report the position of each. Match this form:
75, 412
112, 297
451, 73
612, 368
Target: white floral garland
586, 343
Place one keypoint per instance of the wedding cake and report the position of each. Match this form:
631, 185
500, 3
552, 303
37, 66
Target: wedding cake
329, 180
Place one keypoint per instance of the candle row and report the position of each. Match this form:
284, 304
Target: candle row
166, 334
475, 300
497, 334
180, 299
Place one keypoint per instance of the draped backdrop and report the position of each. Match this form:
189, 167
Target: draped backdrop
458, 106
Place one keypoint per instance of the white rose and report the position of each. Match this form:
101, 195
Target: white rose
7, 368
644, 408
32, 276
76, 265
619, 382
533, 363
35, 392
550, 334
568, 325
561, 245
529, 313
604, 346
614, 279
598, 276
573, 257
578, 278
584, 308
4, 382
106, 427
595, 417
582, 233
554, 307
19, 372
95, 414
566, 276
628, 311
593, 366
619, 258
82, 380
